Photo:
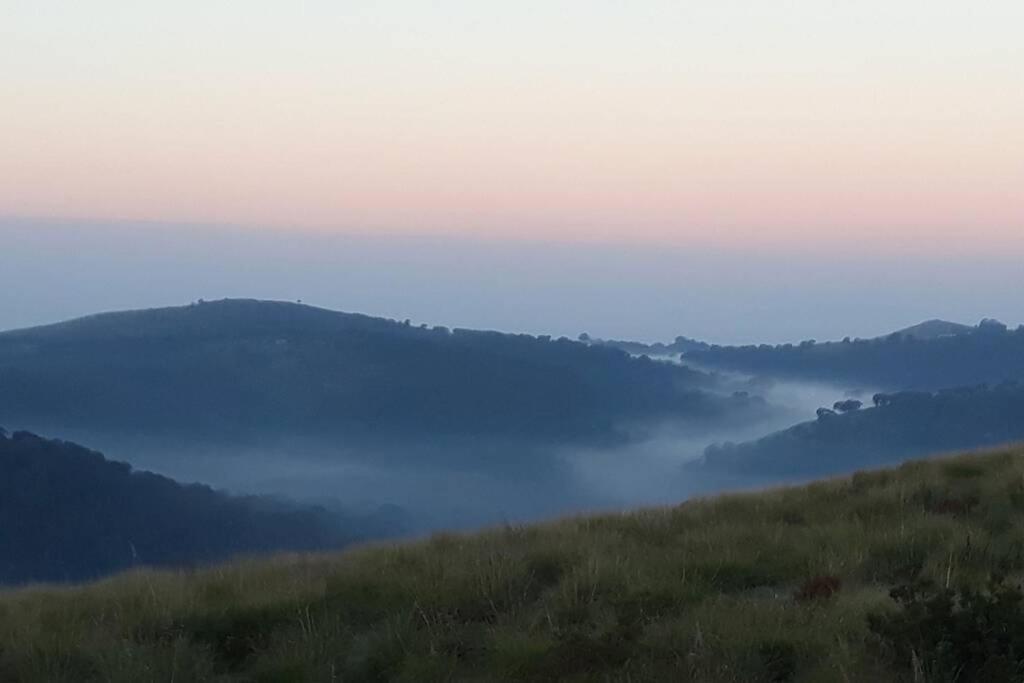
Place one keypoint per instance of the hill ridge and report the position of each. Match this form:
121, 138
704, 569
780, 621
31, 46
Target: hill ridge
242, 364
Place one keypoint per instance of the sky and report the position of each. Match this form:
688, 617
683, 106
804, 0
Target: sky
738, 171
52, 271
866, 123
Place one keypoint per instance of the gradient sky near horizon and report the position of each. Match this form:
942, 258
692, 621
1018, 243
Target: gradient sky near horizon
873, 124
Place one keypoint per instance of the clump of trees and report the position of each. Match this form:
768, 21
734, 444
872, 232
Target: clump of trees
838, 408
847, 406
679, 346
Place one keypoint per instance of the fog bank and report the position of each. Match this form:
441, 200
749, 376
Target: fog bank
464, 483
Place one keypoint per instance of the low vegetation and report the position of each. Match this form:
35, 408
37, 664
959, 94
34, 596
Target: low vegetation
880, 576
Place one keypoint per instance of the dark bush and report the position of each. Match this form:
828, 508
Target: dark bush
818, 588
943, 635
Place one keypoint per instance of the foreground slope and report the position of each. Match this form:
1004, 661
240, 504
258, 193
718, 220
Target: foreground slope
791, 584
242, 368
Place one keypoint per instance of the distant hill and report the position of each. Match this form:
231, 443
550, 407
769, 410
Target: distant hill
678, 346
933, 329
928, 356
67, 513
240, 367
929, 329
904, 425
884, 576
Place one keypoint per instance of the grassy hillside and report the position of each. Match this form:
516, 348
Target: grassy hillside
238, 368
785, 585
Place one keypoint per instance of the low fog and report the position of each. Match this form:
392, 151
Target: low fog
455, 484
650, 471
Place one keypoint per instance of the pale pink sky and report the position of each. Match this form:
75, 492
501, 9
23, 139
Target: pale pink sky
870, 124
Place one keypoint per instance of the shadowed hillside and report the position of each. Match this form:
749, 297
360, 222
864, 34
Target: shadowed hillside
901, 426
883, 576
241, 368
66, 513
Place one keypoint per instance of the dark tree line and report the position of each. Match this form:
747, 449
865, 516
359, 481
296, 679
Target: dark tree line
989, 353
679, 345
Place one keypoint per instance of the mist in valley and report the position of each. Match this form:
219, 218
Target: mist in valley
427, 485
650, 471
